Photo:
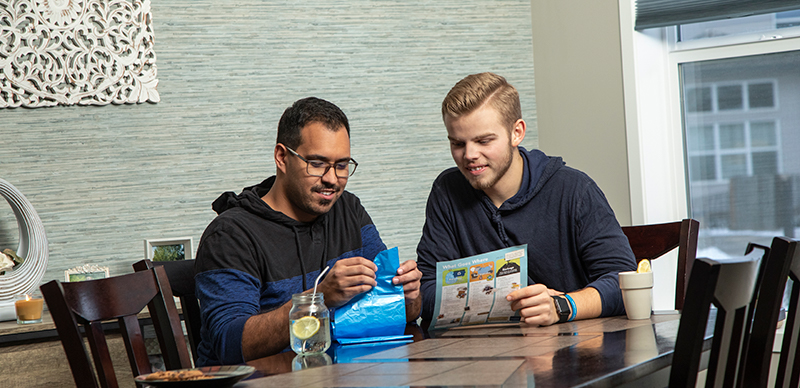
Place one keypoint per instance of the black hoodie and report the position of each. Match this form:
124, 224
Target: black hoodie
573, 237
251, 259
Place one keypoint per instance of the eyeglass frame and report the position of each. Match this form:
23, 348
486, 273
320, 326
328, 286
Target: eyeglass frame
327, 168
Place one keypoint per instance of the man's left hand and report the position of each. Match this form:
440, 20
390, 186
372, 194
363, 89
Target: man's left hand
408, 275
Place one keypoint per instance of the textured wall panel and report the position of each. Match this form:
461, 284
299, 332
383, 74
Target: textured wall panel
103, 179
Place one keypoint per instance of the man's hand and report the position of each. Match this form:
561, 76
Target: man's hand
408, 275
348, 278
534, 304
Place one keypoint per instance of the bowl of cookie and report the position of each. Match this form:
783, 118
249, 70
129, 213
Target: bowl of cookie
207, 376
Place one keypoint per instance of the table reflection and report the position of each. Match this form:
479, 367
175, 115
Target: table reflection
310, 360
596, 352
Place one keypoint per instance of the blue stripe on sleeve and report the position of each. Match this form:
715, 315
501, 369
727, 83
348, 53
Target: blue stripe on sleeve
228, 298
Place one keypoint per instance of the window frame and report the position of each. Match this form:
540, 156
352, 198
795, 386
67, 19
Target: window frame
656, 143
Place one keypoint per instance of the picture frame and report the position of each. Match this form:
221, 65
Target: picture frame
168, 249
86, 272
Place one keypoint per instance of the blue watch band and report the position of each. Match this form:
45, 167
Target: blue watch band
573, 308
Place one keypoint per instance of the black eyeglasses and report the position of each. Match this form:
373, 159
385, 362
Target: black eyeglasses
320, 168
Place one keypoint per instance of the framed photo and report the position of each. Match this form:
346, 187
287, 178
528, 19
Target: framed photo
85, 272
168, 249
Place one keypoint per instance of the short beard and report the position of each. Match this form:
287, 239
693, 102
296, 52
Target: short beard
306, 202
504, 165
325, 202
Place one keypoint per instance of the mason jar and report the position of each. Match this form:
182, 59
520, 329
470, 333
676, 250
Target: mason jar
309, 324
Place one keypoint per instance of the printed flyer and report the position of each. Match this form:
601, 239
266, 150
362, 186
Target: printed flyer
472, 290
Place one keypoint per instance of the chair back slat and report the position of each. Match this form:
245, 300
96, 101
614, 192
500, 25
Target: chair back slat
91, 302
652, 241
181, 279
134, 345
788, 369
774, 273
730, 285
692, 329
733, 297
165, 317
101, 355
67, 326
109, 298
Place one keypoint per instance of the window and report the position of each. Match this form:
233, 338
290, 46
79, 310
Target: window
738, 146
714, 131
720, 145
716, 105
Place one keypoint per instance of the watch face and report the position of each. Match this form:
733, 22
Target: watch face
562, 307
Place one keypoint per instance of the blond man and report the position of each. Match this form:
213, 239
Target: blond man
501, 195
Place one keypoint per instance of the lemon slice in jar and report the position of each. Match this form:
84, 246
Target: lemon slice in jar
644, 266
305, 327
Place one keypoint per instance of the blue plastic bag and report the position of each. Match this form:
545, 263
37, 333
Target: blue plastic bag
377, 315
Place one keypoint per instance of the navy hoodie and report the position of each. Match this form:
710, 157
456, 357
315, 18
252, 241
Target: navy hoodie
251, 259
573, 237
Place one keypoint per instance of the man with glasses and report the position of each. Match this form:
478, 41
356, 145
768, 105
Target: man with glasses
502, 195
273, 240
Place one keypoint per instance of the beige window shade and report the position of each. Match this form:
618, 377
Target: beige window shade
662, 13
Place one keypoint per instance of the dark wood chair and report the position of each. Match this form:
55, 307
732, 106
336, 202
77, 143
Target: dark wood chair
789, 362
655, 240
782, 262
729, 285
181, 279
120, 298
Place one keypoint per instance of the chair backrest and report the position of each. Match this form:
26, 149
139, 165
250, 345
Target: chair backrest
788, 368
90, 302
729, 285
181, 279
654, 240
782, 262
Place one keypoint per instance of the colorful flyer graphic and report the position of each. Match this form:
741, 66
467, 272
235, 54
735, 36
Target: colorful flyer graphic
472, 290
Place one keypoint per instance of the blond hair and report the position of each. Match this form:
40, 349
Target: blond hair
475, 90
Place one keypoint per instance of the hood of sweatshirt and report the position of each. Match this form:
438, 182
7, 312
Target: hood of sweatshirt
250, 200
538, 169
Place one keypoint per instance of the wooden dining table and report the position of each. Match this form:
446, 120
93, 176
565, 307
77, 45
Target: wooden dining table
601, 352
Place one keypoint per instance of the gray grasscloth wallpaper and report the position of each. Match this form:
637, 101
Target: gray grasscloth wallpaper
103, 179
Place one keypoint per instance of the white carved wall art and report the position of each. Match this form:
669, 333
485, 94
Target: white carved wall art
67, 52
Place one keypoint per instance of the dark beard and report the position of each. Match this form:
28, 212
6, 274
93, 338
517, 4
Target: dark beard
319, 188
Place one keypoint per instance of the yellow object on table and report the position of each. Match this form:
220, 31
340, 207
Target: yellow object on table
28, 308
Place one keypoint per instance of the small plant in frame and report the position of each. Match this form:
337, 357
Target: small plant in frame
168, 249
169, 252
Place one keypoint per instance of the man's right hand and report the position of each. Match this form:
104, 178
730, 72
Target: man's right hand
534, 304
348, 278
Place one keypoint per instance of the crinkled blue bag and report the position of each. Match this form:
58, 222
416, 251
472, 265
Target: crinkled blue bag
377, 315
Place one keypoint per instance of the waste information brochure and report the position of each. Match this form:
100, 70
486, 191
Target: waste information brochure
473, 290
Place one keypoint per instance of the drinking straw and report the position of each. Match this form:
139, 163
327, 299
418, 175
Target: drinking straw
314, 293
313, 308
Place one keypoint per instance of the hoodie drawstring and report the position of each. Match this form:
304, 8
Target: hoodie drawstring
323, 262
300, 256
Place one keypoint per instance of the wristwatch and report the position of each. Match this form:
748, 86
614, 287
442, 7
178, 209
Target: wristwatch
562, 308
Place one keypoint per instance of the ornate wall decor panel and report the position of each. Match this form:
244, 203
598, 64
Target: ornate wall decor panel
67, 52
